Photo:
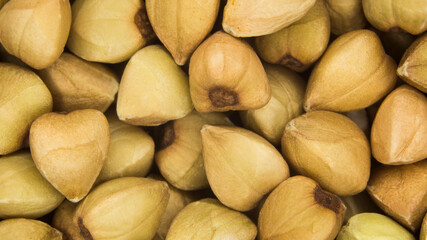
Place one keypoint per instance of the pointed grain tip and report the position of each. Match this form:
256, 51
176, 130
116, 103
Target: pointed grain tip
206, 128
402, 69
228, 29
291, 125
75, 200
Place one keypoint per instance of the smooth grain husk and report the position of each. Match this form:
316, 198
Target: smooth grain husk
23, 190
240, 165
63, 221
23, 98
226, 74
413, 66
182, 25
131, 151
300, 44
179, 149
367, 226
70, 149
249, 18
153, 89
109, 31
123, 208
79, 84
286, 103
178, 199
299, 209
401, 192
35, 31
329, 148
208, 219
346, 16
399, 130
348, 79
21, 228
397, 15
423, 231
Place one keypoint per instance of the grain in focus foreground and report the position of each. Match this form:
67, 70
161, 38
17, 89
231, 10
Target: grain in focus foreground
213, 120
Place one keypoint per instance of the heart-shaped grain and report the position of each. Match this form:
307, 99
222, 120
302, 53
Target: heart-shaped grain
70, 149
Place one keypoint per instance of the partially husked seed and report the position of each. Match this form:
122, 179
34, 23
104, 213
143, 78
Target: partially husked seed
178, 199
249, 18
179, 149
63, 221
35, 31
126, 208
109, 31
346, 16
401, 192
241, 166
300, 209
367, 226
286, 103
70, 149
329, 148
21, 228
23, 190
299, 45
79, 84
131, 151
412, 66
397, 15
346, 79
23, 98
399, 130
226, 74
171, 20
208, 219
153, 89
